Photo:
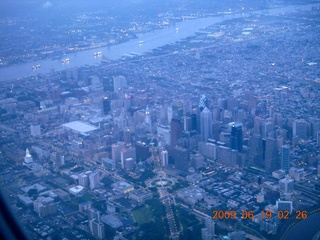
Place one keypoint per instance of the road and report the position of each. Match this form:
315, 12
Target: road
165, 198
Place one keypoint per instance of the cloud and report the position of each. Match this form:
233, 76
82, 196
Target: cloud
47, 4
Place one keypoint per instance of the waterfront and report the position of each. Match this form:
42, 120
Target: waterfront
152, 40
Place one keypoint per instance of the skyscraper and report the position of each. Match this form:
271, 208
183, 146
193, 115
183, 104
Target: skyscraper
285, 158
206, 124
176, 131
119, 83
164, 158
271, 155
105, 105
181, 157
94, 180
286, 185
203, 103
97, 229
236, 137
299, 129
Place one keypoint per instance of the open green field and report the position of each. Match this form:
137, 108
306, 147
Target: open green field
142, 215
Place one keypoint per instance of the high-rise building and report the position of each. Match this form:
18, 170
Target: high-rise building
83, 180
299, 129
94, 214
106, 105
164, 158
203, 103
109, 164
187, 123
318, 139
119, 83
181, 158
285, 158
315, 126
197, 160
94, 180
208, 232
257, 125
236, 137
271, 155
142, 151
45, 206
267, 130
128, 153
205, 124
97, 229
284, 205
255, 151
147, 119
116, 151
176, 131
286, 185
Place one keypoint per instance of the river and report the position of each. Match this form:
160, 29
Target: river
152, 40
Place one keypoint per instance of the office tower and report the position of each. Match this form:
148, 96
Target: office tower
106, 105
94, 180
28, 158
119, 83
255, 151
285, 158
116, 151
176, 131
127, 101
147, 118
169, 114
257, 125
194, 121
286, 185
164, 157
45, 206
142, 151
35, 130
83, 180
271, 155
97, 229
94, 214
299, 129
203, 103
177, 110
127, 136
236, 137
207, 233
181, 158
296, 173
315, 127
197, 160
187, 123
129, 163
278, 119
109, 164
205, 124
128, 153
267, 130
164, 133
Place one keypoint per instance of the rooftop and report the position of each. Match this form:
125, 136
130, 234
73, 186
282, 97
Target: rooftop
80, 127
